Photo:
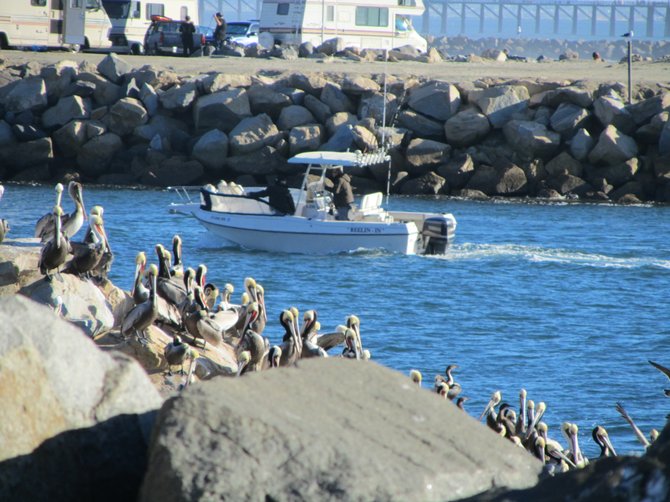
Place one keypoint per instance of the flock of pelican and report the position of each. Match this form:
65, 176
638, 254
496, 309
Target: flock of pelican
526, 429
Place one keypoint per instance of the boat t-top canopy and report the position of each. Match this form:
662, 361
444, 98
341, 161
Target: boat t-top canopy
341, 159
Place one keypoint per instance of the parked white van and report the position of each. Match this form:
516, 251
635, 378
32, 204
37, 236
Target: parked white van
366, 24
131, 19
69, 24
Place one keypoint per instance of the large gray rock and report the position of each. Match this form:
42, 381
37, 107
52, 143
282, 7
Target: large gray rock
341, 141
564, 163
575, 94
264, 99
466, 128
149, 98
372, 105
569, 184
429, 183
211, 149
364, 138
252, 134
611, 110
618, 174
336, 100
215, 82
80, 423
358, 84
568, 118
581, 144
31, 153
531, 139
174, 171
113, 68
311, 83
338, 120
305, 138
222, 110
664, 139
106, 92
613, 147
6, 135
179, 97
70, 138
423, 155
160, 125
96, 155
261, 162
385, 440
67, 109
125, 115
59, 77
320, 110
27, 94
437, 99
458, 171
644, 110
293, 116
423, 126
500, 103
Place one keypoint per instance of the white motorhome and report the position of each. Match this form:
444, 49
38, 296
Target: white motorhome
70, 24
131, 19
366, 24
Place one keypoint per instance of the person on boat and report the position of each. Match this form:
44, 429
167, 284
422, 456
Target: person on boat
279, 196
343, 194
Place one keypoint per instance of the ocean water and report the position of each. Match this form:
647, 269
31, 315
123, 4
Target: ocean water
568, 301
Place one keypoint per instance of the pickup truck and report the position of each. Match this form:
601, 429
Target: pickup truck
163, 37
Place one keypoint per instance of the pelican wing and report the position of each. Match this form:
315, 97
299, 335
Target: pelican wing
226, 319
660, 368
44, 225
330, 340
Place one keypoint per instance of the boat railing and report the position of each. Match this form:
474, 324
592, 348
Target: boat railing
184, 193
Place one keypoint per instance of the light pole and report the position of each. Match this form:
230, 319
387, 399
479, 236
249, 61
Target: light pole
629, 43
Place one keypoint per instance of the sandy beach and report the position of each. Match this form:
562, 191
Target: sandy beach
645, 73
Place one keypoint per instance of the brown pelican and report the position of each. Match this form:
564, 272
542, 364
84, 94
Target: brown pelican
638, 433
274, 356
415, 376
105, 263
354, 323
242, 361
257, 294
71, 223
140, 292
87, 256
490, 407
226, 293
291, 343
460, 402
571, 430
328, 341
141, 316
211, 293
350, 347
538, 449
663, 370
254, 343
171, 291
602, 439
522, 422
177, 265
175, 354
55, 251
46, 221
537, 416
199, 324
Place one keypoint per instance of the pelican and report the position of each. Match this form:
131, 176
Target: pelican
274, 356
328, 341
310, 345
105, 263
171, 291
663, 370
226, 293
211, 293
521, 422
200, 325
87, 256
242, 360
350, 348
460, 402
55, 251
638, 433
292, 345
72, 222
140, 292
490, 407
175, 354
254, 343
141, 316
570, 431
415, 376
257, 294
46, 221
177, 265
354, 323
602, 439
541, 408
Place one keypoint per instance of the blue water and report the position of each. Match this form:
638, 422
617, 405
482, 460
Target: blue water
567, 301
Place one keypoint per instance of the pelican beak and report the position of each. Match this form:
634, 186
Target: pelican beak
606, 439
80, 198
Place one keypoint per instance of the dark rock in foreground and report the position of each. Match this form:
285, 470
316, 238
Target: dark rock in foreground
327, 430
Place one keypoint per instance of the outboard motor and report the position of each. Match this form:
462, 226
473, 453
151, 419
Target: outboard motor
435, 234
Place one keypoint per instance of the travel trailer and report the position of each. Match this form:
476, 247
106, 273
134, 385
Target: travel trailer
366, 24
68, 24
131, 19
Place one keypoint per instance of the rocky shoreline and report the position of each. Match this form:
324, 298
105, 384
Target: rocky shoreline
115, 124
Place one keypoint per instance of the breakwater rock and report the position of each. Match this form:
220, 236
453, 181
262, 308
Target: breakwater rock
524, 137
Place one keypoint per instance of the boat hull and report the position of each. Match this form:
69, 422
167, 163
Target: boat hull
296, 234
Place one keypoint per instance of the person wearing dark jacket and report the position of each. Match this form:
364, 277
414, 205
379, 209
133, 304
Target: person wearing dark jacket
187, 29
220, 30
279, 197
343, 194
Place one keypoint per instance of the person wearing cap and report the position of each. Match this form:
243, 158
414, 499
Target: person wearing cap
343, 194
279, 196
220, 30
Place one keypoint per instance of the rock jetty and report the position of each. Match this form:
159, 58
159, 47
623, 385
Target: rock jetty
113, 124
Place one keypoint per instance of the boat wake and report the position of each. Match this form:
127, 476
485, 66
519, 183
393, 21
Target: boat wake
487, 252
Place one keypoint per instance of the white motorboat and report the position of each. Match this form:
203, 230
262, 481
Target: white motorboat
236, 218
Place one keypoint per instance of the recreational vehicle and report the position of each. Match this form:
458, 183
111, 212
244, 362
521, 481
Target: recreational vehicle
69, 24
366, 24
131, 19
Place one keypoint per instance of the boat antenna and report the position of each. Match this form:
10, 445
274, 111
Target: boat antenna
388, 174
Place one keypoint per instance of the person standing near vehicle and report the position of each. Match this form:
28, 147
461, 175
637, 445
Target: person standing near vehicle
343, 194
187, 29
219, 31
